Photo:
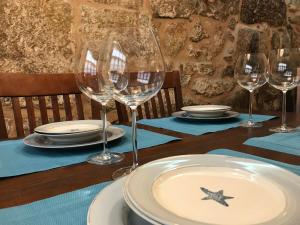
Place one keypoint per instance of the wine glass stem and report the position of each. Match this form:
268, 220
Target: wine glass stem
250, 107
134, 139
283, 109
104, 119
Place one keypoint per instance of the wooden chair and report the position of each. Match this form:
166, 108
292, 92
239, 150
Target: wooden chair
28, 86
164, 108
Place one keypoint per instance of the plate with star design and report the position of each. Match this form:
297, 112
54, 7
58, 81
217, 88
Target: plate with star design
213, 190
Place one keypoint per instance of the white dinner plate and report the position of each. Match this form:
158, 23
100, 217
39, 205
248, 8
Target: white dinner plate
71, 132
41, 141
213, 189
71, 127
185, 115
109, 208
206, 110
75, 138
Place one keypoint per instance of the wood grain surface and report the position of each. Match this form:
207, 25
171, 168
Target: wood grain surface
32, 187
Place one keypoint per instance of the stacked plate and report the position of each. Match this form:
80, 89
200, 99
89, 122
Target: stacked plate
206, 112
75, 133
201, 190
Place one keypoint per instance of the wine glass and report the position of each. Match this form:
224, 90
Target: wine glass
251, 73
133, 60
95, 84
284, 76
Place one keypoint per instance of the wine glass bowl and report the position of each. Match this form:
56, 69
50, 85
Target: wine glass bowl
135, 65
251, 71
284, 76
94, 83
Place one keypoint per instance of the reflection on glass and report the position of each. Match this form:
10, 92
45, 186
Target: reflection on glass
284, 76
95, 83
136, 69
250, 72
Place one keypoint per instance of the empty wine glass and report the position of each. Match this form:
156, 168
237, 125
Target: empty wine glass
284, 76
94, 82
251, 73
134, 62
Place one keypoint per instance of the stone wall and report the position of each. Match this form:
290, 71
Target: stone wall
201, 38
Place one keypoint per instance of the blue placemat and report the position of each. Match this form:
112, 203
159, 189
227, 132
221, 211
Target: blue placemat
17, 159
290, 167
71, 208
281, 142
195, 127
67, 209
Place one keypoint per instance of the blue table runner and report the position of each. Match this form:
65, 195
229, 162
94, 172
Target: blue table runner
17, 158
281, 142
71, 208
197, 127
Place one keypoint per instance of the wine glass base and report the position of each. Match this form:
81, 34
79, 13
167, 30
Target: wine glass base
122, 172
106, 159
283, 129
250, 124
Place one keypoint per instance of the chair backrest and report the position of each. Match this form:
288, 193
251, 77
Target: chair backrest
160, 105
40, 88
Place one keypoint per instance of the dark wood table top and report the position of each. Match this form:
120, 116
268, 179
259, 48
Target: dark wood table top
32, 187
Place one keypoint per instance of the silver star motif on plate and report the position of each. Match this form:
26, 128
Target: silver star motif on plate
216, 196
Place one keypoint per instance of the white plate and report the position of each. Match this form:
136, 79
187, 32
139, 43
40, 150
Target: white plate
75, 138
109, 208
70, 127
206, 110
41, 141
188, 190
185, 115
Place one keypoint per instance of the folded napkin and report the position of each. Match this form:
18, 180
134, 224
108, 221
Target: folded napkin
197, 127
71, 208
281, 142
17, 159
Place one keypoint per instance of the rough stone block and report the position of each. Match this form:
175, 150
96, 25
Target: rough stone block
198, 68
198, 33
174, 38
130, 4
272, 12
95, 20
201, 54
212, 87
245, 36
218, 9
173, 8
36, 36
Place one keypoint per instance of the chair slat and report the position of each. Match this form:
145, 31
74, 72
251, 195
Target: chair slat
30, 113
79, 106
96, 110
147, 110
177, 90
67, 106
168, 100
154, 110
122, 112
55, 108
43, 109
161, 104
3, 129
18, 117
140, 112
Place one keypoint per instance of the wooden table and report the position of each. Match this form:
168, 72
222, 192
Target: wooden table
28, 188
